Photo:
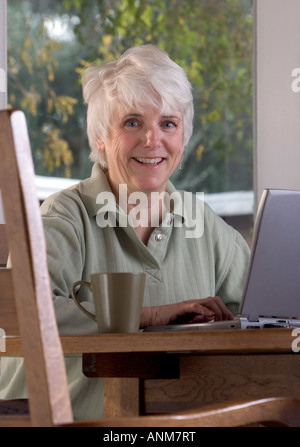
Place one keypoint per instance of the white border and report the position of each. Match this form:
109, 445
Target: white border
3, 52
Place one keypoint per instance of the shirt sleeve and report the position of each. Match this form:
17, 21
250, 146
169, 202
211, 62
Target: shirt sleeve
231, 255
233, 282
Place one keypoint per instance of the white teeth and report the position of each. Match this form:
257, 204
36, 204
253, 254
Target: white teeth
150, 161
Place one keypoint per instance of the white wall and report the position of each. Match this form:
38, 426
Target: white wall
277, 107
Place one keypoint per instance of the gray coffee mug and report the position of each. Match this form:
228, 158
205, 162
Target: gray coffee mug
118, 300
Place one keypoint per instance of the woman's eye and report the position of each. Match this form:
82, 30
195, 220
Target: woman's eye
131, 123
169, 125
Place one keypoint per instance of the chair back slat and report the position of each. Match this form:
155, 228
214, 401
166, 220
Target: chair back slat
49, 399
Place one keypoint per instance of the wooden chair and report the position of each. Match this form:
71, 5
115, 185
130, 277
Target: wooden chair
26, 301
261, 413
27, 311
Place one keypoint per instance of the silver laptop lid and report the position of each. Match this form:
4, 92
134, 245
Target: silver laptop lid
273, 282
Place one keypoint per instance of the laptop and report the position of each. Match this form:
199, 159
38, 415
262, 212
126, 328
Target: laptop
271, 296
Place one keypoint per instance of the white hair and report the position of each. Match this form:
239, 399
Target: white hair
143, 76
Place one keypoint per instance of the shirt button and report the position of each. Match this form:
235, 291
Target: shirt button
158, 237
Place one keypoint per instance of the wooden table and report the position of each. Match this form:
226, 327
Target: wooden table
154, 373
164, 372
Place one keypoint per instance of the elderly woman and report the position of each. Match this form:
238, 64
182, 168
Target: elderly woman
139, 121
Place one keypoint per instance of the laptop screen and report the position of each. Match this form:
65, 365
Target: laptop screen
273, 283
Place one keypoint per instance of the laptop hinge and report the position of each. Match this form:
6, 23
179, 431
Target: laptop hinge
266, 322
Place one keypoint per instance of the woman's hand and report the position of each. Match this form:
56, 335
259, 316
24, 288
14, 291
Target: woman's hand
186, 312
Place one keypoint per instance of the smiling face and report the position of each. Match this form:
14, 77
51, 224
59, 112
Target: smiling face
143, 149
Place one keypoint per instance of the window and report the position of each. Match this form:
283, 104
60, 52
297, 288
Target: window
49, 43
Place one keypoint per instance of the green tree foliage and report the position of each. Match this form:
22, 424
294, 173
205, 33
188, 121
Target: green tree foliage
33, 63
210, 39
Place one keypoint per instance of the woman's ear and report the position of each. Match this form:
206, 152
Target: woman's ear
100, 145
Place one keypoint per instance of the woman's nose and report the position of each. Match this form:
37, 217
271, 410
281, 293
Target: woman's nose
152, 137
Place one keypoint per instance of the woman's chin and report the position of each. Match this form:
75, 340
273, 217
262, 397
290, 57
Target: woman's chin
149, 185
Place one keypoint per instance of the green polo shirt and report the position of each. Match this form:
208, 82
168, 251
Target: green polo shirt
178, 267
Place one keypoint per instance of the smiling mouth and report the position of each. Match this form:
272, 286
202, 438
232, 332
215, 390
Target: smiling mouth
149, 161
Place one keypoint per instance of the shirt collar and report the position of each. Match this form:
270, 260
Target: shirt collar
91, 187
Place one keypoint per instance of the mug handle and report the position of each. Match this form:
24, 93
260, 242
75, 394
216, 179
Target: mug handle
87, 284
